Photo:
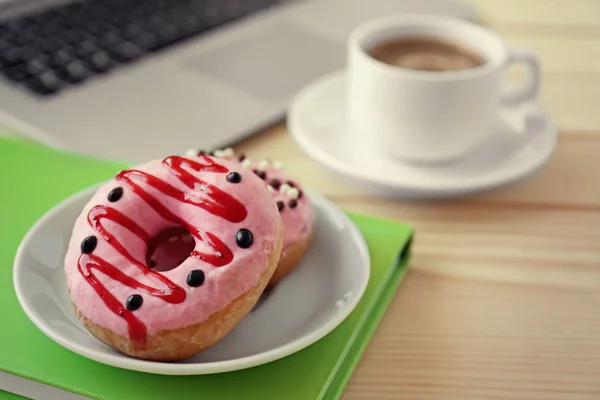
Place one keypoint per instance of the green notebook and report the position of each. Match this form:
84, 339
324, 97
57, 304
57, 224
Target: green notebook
34, 178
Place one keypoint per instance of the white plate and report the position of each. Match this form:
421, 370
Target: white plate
524, 141
304, 307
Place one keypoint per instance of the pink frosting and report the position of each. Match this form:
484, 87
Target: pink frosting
298, 222
222, 284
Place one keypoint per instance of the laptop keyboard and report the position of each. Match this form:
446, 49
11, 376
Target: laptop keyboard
64, 46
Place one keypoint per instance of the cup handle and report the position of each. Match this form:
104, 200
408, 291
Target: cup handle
529, 89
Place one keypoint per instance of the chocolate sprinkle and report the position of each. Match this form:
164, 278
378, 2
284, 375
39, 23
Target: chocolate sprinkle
261, 174
275, 183
290, 183
234, 177
195, 278
134, 302
293, 203
201, 152
280, 205
299, 194
241, 157
88, 244
115, 194
244, 238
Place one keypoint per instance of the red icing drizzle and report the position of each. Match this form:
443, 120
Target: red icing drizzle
210, 198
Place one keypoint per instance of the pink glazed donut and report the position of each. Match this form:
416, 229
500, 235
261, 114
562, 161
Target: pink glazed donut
295, 208
154, 295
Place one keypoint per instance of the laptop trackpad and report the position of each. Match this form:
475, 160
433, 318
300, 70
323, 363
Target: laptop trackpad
274, 63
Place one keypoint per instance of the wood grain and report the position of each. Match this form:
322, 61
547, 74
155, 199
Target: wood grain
501, 300
502, 297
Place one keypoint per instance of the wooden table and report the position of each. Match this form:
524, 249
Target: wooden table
502, 300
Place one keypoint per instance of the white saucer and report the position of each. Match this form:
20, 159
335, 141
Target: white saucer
304, 307
524, 141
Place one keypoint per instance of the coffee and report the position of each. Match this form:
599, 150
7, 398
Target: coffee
426, 54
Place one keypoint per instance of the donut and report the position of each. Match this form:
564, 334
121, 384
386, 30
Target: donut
296, 210
228, 237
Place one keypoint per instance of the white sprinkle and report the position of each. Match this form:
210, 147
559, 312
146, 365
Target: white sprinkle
278, 165
293, 193
191, 152
219, 153
228, 152
263, 164
219, 254
284, 188
270, 188
246, 163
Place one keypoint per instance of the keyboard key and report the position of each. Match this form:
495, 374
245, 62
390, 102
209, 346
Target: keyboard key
4, 45
45, 84
232, 9
14, 25
133, 31
17, 72
147, 41
72, 36
62, 57
75, 71
168, 33
153, 23
48, 44
100, 62
50, 28
85, 48
24, 38
127, 51
28, 53
191, 23
97, 28
118, 20
10, 56
110, 40
37, 66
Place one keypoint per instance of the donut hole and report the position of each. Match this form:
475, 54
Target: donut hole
169, 249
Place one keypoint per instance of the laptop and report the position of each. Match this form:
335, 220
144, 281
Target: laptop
134, 80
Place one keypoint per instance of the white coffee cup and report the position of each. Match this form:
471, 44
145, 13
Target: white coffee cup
434, 116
